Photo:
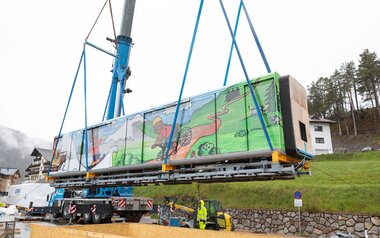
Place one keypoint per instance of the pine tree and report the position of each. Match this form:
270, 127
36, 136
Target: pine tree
348, 73
316, 98
369, 77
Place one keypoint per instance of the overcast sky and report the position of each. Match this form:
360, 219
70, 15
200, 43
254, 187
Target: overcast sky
41, 42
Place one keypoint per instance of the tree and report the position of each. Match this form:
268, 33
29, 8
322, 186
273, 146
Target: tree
348, 74
316, 98
369, 77
336, 97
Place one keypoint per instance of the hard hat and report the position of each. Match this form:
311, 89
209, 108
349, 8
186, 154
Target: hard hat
156, 120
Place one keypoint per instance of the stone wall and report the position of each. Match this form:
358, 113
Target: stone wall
312, 224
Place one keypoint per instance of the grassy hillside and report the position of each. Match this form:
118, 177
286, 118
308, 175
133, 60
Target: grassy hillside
348, 183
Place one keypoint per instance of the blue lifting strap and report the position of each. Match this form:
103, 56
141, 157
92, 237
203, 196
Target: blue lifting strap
260, 115
256, 38
85, 105
232, 44
183, 81
108, 99
67, 107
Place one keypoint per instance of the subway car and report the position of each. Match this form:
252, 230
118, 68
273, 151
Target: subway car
216, 126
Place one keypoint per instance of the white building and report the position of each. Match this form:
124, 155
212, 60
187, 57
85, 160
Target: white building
321, 135
39, 167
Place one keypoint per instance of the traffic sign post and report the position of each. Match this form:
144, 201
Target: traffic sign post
298, 204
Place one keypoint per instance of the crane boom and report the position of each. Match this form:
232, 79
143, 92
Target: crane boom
121, 64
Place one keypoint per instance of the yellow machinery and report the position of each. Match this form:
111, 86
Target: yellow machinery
217, 219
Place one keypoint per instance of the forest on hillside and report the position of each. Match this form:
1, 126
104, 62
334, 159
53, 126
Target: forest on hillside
349, 96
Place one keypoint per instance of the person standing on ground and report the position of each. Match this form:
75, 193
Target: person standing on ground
202, 215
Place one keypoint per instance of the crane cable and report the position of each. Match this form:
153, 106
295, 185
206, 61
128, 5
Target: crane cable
113, 24
96, 20
112, 20
336, 178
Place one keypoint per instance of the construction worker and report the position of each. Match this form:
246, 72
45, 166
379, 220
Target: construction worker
202, 215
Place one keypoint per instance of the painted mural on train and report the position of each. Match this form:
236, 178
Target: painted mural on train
218, 122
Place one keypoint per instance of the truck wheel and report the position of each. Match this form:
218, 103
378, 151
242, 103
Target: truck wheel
56, 215
75, 217
96, 218
87, 218
212, 227
65, 211
132, 216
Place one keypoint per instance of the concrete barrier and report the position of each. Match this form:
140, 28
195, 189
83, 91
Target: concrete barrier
133, 230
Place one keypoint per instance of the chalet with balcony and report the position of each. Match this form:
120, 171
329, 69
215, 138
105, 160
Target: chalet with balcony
39, 167
8, 177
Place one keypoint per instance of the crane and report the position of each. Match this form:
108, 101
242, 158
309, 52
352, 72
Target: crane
273, 114
100, 204
121, 71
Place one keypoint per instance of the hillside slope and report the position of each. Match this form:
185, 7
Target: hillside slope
368, 129
348, 183
355, 143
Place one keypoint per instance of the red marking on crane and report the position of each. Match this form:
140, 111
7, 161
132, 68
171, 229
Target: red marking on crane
122, 203
72, 209
93, 209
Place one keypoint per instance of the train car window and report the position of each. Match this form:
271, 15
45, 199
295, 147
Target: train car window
303, 131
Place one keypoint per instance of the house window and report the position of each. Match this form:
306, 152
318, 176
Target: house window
320, 140
303, 131
318, 128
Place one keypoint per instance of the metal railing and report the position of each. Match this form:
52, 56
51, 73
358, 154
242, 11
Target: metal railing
7, 229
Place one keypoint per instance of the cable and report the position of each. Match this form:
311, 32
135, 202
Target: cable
259, 113
336, 178
232, 44
64, 116
183, 81
96, 20
256, 39
85, 104
113, 25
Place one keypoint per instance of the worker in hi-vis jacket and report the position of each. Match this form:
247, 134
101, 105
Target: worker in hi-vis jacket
202, 215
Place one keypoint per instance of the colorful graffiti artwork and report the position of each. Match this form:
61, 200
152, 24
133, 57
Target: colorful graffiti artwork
222, 121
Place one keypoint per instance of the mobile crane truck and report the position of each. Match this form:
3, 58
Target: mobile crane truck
97, 204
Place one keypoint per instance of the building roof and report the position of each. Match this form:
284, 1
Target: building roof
28, 168
46, 153
9, 171
315, 118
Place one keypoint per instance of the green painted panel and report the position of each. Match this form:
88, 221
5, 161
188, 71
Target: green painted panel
230, 107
